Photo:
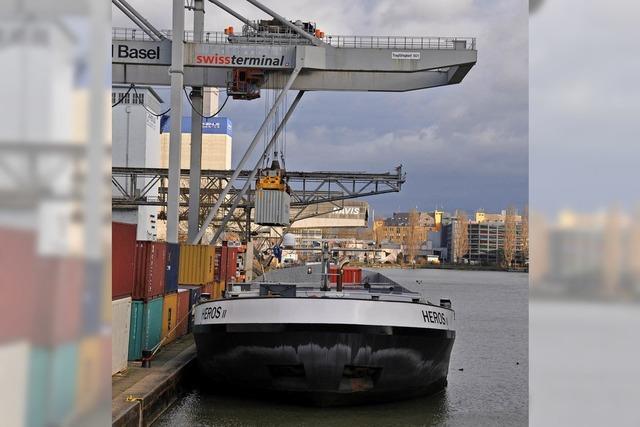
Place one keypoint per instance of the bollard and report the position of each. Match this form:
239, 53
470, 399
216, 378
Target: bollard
146, 358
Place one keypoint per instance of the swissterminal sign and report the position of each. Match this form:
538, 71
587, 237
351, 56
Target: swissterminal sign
204, 55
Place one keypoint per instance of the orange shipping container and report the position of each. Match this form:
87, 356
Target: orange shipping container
169, 316
196, 264
182, 327
92, 369
218, 287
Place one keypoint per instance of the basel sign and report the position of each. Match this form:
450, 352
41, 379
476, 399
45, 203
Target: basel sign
205, 55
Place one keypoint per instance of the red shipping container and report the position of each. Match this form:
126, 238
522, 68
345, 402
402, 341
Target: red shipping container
228, 263
17, 284
123, 249
183, 312
60, 290
207, 289
350, 275
217, 264
150, 269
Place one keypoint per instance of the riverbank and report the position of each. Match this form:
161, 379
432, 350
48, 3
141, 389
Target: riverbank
457, 267
141, 395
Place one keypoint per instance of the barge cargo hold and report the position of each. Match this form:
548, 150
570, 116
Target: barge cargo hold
379, 342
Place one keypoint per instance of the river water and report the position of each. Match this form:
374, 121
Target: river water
488, 374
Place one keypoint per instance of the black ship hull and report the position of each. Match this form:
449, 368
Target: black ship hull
324, 364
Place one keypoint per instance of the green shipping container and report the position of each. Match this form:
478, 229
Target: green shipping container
152, 330
135, 330
38, 386
52, 384
146, 326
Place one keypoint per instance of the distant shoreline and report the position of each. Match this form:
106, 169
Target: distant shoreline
462, 267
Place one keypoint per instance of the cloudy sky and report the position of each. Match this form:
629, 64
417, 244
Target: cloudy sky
584, 106
463, 146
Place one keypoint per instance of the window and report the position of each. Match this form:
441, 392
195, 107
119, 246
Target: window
117, 96
138, 98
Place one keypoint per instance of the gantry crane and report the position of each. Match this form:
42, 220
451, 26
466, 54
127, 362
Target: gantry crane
278, 54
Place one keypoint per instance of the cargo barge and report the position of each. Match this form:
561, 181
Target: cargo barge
309, 343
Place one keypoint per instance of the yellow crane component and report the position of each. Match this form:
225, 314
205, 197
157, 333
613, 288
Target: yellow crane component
271, 183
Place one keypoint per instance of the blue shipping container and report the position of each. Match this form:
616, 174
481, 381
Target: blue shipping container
194, 297
173, 263
135, 330
152, 320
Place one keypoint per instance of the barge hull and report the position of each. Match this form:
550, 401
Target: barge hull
324, 364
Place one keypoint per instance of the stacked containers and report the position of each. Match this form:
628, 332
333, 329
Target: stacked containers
226, 269
145, 329
123, 259
91, 369
134, 351
152, 323
175, 315
172, 267
228, 263
61, 291
194, 297
196, 264
17, 258
120, 325
184, 305
208, 289
169, 317
150, 268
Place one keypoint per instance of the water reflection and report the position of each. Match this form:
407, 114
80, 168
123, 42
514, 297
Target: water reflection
200, 409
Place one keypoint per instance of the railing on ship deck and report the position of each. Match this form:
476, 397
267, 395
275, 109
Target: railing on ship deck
362, 42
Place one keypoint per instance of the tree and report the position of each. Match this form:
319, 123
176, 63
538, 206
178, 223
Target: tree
412, 237
460, 236
510, 237
378, 231
524, 233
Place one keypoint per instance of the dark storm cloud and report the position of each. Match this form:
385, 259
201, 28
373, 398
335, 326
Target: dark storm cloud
462, 146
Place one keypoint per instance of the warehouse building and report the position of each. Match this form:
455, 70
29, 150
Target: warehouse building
136, 143
216, 143
485, 242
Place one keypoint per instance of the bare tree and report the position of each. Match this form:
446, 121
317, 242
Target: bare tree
378, 231
524, 233
510, 236
412, 236
460, 236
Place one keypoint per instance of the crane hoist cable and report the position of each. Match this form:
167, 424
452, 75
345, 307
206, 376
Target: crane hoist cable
123, 96
198, 112
145, 107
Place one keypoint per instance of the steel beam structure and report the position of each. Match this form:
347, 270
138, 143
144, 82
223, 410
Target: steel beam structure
254, 172
247, 154
308, 188
175, 132
195, 162
342, 63
139, 20
234, 14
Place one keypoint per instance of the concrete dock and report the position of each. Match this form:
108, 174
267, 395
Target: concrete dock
141, 395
